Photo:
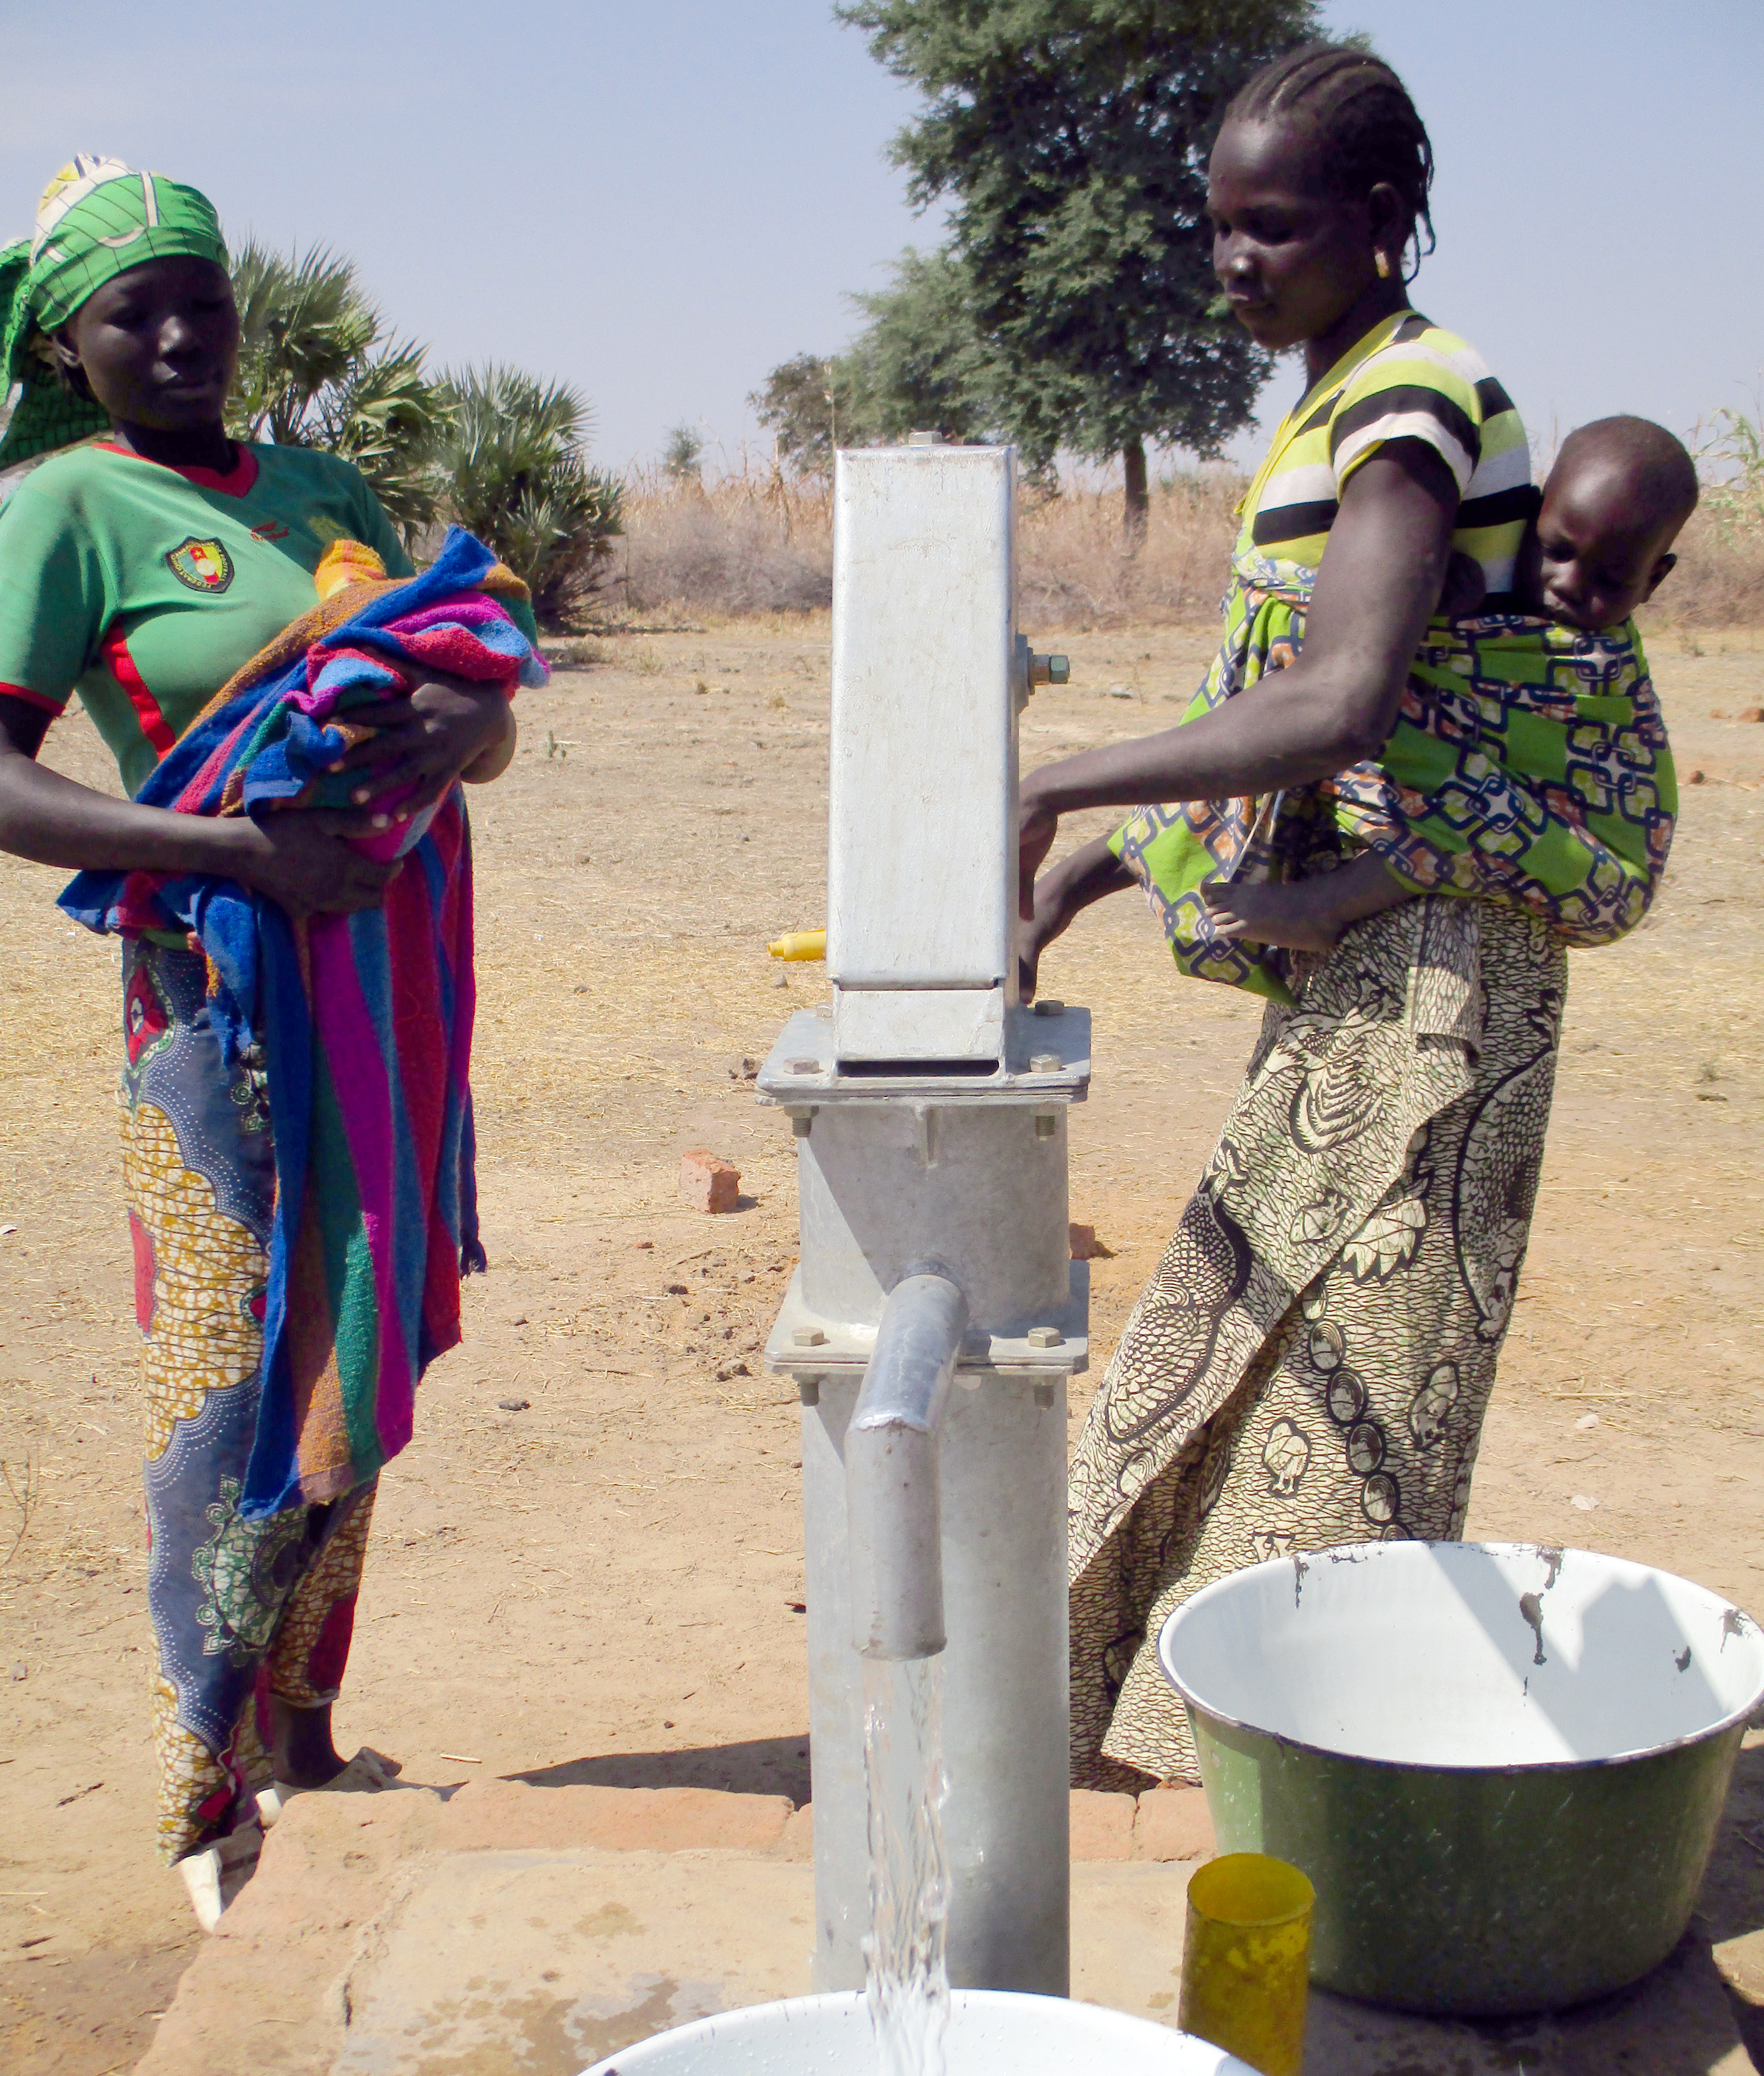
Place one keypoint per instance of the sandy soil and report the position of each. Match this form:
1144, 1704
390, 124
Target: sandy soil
606, 1585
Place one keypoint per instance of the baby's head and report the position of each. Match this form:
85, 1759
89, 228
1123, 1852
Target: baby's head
1612, 506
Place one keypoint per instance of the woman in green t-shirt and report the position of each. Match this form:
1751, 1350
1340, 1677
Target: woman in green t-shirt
142, 569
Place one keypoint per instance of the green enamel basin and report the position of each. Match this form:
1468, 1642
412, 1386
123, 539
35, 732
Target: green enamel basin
1501, 1764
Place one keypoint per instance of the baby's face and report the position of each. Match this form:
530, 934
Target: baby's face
1595, 553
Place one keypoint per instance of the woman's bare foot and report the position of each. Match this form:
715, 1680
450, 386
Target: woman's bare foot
304, 1755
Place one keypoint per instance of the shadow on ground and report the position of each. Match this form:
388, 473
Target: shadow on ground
766, 1766
1731, 1905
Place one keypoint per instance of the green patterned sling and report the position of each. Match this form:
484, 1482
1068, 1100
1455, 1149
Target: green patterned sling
1529, 765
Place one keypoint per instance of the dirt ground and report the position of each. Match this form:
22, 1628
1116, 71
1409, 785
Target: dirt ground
606, 1585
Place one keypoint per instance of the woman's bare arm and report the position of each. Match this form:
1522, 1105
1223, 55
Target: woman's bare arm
1377, 591
301, 860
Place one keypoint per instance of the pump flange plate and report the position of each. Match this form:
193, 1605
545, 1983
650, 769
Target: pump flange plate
843, 1345
801, 1071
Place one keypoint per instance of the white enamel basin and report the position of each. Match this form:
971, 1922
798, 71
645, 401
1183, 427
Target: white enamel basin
991, 2033
1501, 1764
1466, 1654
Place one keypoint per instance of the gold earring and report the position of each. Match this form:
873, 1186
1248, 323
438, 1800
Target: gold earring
1384, 265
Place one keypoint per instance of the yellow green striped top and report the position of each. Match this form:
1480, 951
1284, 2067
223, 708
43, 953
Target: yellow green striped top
1407, 378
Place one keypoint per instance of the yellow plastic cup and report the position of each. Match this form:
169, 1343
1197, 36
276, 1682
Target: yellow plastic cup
1246, 1959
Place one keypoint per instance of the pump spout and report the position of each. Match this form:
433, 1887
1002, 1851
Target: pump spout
893, 1510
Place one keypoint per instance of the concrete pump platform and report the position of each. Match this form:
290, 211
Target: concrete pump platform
508, 1930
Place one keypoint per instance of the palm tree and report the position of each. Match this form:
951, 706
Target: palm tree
683, 458
513, 468
317, 369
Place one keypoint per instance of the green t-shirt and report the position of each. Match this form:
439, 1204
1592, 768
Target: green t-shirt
144, 589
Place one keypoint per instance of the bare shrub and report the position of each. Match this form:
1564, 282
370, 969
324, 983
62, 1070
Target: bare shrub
749, 540
576, 655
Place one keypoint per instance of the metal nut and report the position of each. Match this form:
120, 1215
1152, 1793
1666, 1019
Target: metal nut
1046, 1127
812, 1337
1045, 1063
1043, 1337
805, 1066
1049, 1007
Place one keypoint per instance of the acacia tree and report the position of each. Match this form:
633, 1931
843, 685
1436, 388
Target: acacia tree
1070, 138
921, 361
812, 403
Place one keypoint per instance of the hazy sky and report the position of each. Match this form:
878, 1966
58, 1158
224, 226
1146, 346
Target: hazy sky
659, 201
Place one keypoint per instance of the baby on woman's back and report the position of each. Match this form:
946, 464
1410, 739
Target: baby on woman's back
1600, 546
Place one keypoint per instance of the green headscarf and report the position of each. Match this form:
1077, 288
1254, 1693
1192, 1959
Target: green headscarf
97, 219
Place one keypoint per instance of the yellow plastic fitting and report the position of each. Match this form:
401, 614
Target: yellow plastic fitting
1246, 1959
800, 945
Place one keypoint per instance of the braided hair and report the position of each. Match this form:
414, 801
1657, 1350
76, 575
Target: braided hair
1361, 114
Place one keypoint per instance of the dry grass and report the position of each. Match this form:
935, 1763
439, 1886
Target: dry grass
1719, 578
747, 541
1075, 570
751, 541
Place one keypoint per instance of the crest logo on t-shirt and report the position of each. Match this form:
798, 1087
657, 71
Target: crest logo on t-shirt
202, 565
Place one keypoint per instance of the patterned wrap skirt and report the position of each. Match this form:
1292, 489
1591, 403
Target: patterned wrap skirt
243, 1610
1311, 1362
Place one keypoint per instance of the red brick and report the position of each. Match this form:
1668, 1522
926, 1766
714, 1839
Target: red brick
1085, 1246
1174, 1824
708, 1184
513, 1813
1102, 1825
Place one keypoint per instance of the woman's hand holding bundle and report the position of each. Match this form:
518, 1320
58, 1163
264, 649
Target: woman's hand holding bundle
450, 728
304, 859
301, 857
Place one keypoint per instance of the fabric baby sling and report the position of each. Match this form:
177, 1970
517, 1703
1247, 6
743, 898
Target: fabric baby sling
1529, 763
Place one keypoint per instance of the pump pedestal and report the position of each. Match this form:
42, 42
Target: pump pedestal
930, 1114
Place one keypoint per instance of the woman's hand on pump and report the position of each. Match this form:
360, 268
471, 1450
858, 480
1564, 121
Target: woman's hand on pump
1092, 872
449, 728
1037, 827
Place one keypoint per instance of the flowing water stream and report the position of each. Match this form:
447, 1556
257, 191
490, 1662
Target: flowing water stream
906, 1979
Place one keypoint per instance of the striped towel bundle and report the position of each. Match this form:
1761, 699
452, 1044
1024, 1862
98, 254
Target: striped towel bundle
365, 1020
